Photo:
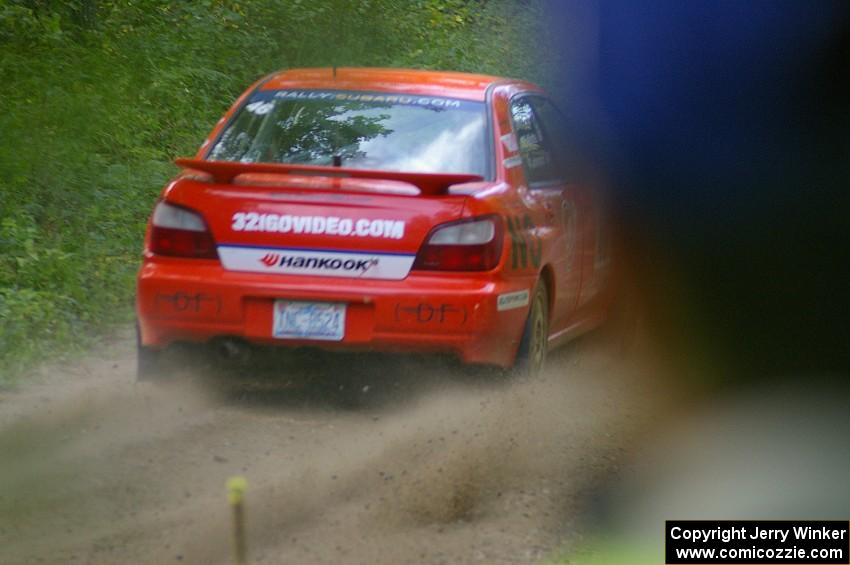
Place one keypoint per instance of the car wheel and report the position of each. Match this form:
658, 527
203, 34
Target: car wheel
531, 356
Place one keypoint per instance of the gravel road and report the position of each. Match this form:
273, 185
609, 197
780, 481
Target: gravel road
349, 459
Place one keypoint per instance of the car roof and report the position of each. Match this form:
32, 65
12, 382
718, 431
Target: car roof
404, 81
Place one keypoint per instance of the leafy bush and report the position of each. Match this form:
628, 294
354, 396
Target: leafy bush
98, 96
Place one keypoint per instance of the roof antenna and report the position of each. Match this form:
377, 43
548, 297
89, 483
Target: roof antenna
334, 71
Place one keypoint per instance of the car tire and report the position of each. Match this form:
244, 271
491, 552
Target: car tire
531, 355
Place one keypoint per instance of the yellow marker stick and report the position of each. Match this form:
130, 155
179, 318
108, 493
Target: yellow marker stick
236, 487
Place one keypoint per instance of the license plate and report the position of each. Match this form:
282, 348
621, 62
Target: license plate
308, 320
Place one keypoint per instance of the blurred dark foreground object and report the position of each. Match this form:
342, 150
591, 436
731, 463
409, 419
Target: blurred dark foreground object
724, 128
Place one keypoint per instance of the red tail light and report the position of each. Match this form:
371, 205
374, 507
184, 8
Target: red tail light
468, 245
180, 232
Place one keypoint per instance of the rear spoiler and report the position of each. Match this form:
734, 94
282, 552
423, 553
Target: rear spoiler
225, 171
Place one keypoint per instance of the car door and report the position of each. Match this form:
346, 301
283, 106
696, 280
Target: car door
549, 189
583, 202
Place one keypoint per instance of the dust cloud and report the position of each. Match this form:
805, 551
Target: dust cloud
349, 459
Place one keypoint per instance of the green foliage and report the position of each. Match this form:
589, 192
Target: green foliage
98, 96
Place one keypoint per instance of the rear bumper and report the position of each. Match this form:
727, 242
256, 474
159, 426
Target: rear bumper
449, 313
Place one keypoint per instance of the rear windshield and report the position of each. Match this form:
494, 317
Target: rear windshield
380, 131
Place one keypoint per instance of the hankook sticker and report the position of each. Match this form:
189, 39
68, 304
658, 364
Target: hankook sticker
319, 262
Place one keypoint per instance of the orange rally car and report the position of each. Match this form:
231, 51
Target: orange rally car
378, 209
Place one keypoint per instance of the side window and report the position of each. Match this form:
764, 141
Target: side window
534, 147
570, 159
